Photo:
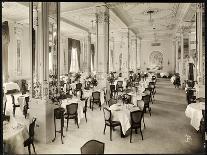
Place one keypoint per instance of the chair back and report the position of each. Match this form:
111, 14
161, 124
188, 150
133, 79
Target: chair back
119, 84
4, 112
86, 104
31, 128
96, 95
93, 147
107, 114
78, 86
13, 99
127, 98
136, 117
146, 99
72, 108
112, 88
58, 113
112, 101
27, 100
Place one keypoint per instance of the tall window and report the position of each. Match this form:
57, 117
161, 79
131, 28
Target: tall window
74, 61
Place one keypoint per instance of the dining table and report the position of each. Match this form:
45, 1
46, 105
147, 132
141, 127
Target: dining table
121, 112
15, 133
194, 112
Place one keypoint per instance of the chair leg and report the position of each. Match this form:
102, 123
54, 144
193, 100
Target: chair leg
29, 149
33, 147
143, 121
104, 128
67, 124
141, 133
110, 133
85, 117
149, 111
77, 121
131, 136
14, 109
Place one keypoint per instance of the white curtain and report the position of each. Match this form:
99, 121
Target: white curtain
74, 61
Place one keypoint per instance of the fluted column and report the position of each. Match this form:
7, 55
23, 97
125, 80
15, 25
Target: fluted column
102, 46
176, 55
89, 53
181, 66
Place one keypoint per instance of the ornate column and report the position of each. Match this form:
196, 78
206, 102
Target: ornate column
102, 46
136, 54
125, 53
41, 105
176, 55
181, 66
89, 53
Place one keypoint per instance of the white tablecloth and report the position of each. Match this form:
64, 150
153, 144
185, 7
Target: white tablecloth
80, 106
21, 101
10, 86
194, 112
164, 74
14, 137
122, 114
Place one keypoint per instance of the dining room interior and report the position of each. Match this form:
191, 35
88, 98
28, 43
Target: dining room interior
103, 78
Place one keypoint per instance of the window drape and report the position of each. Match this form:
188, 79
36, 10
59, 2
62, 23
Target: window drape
73, 44
5, 41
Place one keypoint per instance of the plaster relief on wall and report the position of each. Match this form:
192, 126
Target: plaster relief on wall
156, 60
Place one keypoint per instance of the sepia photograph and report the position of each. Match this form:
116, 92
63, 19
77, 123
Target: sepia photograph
103, 78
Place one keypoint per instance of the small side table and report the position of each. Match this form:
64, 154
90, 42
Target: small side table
59, 114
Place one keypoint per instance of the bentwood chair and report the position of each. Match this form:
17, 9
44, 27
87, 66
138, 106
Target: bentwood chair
93, 147
146, 100
127, 98
119, 86
113, 91
136, 117
72, 113
96, 98
78, 88
85, 108
26, 107
112, 101
109, 122
30, 140
14, 105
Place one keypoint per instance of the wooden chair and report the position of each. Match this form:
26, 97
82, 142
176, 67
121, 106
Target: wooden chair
127, 99
30, 140
109, 122
93, 147
146, 100
26, 107
96, 98
85, 108
72, 113
113, 91
14, 105
136, 117
119, 86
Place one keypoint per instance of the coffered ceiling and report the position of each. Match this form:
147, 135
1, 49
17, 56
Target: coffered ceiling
146, 20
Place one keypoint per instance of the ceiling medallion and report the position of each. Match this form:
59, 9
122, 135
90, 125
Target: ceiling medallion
151, 11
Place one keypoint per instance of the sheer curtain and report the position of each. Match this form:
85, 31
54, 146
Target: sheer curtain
74, 67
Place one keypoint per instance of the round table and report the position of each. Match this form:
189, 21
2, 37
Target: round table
14, 135
194, 112
121, 113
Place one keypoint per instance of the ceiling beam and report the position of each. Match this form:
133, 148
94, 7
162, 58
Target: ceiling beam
74, 24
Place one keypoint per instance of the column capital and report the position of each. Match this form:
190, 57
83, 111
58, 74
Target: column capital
102, 14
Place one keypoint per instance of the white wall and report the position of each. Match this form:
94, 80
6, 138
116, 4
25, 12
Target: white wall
166, 48
23, 35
